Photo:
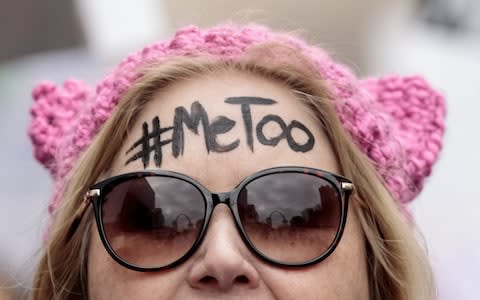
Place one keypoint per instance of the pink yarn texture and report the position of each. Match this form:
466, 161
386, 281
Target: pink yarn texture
398, 122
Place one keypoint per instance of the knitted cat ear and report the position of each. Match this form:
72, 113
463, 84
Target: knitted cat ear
53, 112
417, 113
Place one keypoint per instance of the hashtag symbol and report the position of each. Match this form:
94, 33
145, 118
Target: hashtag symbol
146, 147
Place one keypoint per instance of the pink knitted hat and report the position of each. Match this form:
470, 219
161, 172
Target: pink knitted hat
398, 122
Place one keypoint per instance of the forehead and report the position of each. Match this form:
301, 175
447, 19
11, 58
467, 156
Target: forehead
212, 90
224, 123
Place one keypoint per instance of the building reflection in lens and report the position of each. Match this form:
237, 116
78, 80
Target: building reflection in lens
324, 210
157, 219
181, 226
273, 221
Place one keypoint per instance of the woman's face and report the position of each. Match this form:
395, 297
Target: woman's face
219, 156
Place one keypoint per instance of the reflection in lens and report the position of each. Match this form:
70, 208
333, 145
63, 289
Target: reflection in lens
290, 217
153, 221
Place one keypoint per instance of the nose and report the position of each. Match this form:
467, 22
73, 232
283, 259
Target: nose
223, 262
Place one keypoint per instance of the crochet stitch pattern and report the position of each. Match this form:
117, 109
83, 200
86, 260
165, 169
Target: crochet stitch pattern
398, 122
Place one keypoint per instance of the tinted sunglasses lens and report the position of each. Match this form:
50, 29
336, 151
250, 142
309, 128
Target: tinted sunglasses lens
290, 217
152, 221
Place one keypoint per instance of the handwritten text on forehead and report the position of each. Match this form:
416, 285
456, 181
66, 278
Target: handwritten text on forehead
153, 140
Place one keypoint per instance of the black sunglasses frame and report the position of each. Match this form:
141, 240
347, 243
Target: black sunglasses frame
96, 193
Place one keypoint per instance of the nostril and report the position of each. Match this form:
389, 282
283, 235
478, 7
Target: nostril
242, 279
208, 279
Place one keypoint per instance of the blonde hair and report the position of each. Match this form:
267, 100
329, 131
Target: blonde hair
398, 266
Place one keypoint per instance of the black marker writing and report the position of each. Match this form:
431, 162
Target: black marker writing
245, 103
198, 115
144, 141
191, 121
152, 141
273, 141
286, 133
221, 125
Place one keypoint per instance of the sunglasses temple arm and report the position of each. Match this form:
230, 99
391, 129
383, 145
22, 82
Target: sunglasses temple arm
80, 213
348, 187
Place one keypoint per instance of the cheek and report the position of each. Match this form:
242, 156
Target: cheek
343, 275
109, 280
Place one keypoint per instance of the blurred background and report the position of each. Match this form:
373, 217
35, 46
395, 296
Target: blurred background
58, 39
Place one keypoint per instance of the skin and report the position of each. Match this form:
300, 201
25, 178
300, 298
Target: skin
223, 267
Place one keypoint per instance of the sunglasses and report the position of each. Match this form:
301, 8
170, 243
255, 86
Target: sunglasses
287, 216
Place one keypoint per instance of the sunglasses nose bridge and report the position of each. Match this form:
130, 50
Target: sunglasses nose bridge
219, 198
